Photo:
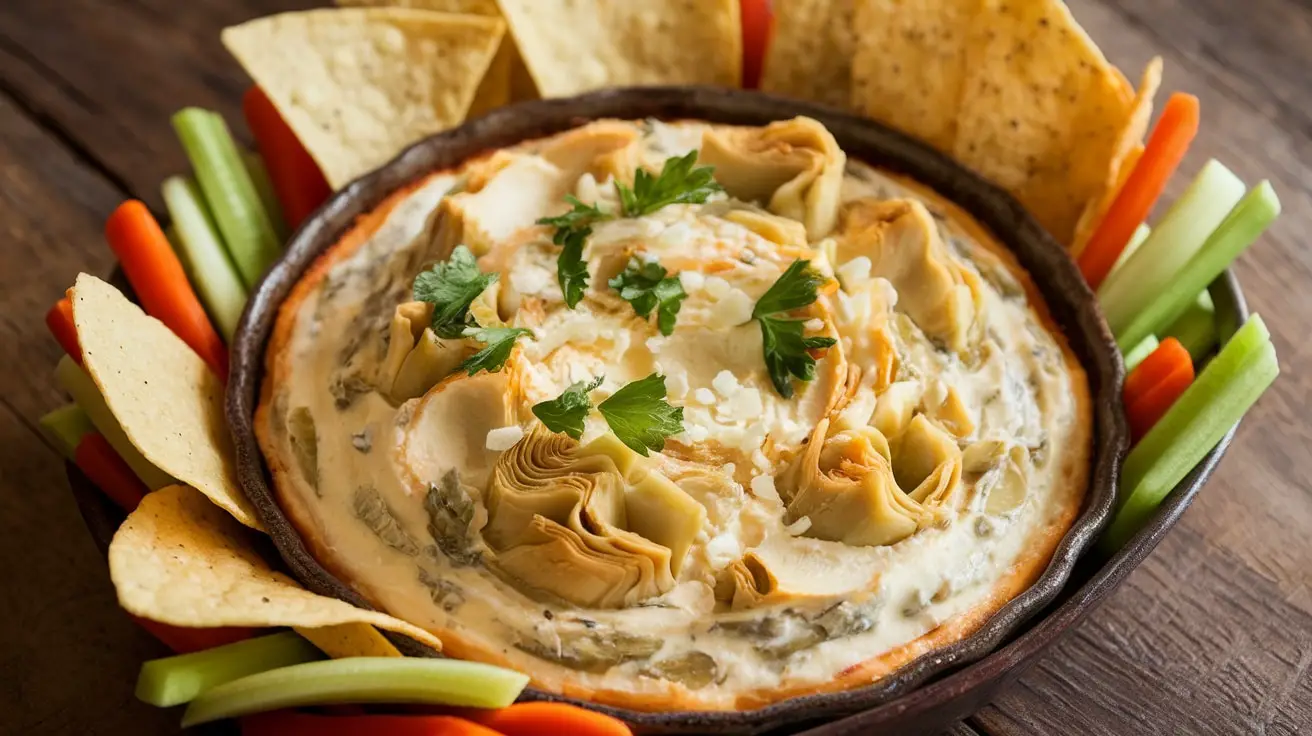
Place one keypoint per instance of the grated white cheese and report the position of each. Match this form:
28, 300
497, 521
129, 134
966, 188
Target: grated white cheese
692, 281
717, 287
504, 438
704, 396
725, 383
763, 488
733, 310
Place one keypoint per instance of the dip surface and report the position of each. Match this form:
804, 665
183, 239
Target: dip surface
810, 543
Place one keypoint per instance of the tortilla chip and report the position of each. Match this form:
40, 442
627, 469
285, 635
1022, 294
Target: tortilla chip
494, 90
909, 67
359, 84
167, 400
1043, 111
571, 46
810, 52
1127, 152
349, 640
179, 560
474, 7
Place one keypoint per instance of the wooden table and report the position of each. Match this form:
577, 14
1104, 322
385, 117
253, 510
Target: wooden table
1213, 634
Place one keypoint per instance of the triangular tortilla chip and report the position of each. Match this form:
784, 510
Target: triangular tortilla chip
810, 51
909, 65
572, 47
359, 84
169, 403
179, 560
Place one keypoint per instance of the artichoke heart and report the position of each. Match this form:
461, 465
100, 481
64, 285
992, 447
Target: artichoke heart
569, 522
846, 486
794, 166
928, 460
778, 230
903, 243
786, 570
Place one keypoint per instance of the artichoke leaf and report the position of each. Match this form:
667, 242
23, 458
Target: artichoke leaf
895, 407
778, 230
787, 570
659, 510
793, 166
524, 189
1008, 484
928, 460
594, 650
372, 510
576, 152
407, 326
431, 360
304, 440
694, 669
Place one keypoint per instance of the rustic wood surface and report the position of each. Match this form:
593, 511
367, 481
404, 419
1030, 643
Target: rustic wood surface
1213, 634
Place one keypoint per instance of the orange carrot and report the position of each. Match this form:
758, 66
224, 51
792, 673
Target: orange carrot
531, 719
185, 640
101, 465
297, 180
1166, 148
59, 320
156, 274
1152, 404
292, 723
1164, 359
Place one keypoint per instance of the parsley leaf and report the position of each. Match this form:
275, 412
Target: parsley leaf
450, 287
498, 341
787, 351
582, 216
566, 412
571, 269
640, 416
795, 289
647, 286
680, 182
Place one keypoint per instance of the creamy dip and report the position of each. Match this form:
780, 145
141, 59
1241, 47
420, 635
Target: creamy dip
952, 422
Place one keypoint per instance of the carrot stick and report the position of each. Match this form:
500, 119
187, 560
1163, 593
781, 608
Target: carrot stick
292, 723
102, 466
59, 320
1168, 355
184, 640
1166, 147
297, 180
1152, 404
530, 719
156, 275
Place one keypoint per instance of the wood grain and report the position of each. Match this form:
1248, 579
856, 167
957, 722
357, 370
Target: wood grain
1212, 635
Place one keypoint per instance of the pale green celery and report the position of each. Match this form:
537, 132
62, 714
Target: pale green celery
1141, 234
201, 250
1258, 209
78, 384
174, 680
1196, 328
1216, 400
1140, 351
264, 188
1176, 239
361, 680
65, 427
248, 232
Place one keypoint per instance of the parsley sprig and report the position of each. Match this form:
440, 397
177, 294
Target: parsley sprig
638, 413
787, 350
451, 287
497, 344
640, 416
647, 286
567, 412
572, 231
681, 181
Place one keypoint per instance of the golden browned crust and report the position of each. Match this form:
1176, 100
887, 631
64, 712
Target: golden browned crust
1024, 571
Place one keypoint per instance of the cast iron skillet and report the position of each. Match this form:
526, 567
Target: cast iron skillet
1072, 304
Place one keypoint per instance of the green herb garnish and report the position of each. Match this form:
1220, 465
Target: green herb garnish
640, 416
787, 351
572, 231
498, 342
647, 286
680, 182
566, 412
450, 287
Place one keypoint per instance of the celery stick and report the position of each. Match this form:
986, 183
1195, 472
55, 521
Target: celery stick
1215, 401
361, 680
1141, 234
78, 384
1196, 328
247, 230
1176, 239
201, 250
174, 680
65, 427
1140, 351
1241, 227
264, 188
